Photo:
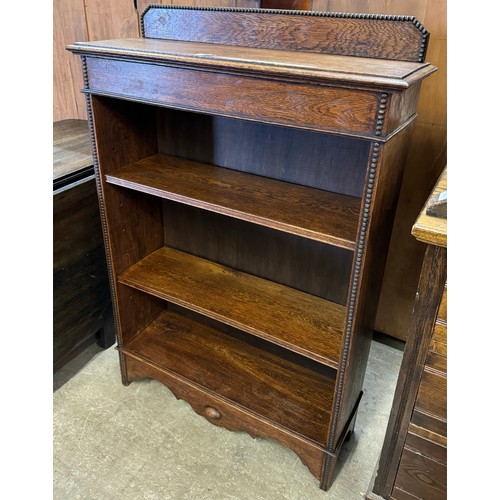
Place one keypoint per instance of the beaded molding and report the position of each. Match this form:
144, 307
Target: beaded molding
339, 15
379, 123
105, 232
353, 299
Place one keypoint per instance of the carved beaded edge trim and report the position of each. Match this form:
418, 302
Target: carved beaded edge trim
353, 300
382, 107
90, 121
422, 50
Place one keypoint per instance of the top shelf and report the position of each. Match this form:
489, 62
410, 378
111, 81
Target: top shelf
308, 212
280, 63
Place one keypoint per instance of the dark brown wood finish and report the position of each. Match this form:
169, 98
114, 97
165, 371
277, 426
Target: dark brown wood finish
426, 445
420, 476
310, 106
81, 298
423, 319
232, 417
431, 397
303, 323
430, 422
400, 38
378, 209
255, 250
283, 64
297, 398
336, 164
286, 4
413, 457
274, 278
312, 213
125, 132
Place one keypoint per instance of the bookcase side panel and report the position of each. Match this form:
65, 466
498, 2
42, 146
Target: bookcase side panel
380, 199
132, 221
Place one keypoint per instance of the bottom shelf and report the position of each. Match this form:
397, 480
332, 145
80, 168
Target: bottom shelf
288, 393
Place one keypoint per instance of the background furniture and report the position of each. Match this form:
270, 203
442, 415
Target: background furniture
248, 197
413, 458
104, 19
82, 302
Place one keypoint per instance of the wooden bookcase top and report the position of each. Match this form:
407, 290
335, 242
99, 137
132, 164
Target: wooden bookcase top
304, 66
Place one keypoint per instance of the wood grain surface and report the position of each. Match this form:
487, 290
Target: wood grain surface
425, 161
69, 25
427, 434
312, 213
286, 4
430, 228
81, 298
121, 88
131, 138
255, 250
420, 476
315, 67
300, 322
118, 19
427, 301
427, 448
383, 38
431, 397
431, 423
82, 303
71, 147
291, 395
309, 106
232, 416
336, 164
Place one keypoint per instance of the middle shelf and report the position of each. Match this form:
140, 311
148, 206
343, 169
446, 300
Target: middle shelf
303, 323
309, 212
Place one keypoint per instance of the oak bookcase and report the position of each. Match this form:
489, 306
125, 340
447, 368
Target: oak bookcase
248, 167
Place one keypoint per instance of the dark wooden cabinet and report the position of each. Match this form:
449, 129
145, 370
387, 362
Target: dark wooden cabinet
82, 303
414, 455
249, 168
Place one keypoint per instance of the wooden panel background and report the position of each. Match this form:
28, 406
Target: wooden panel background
81, 20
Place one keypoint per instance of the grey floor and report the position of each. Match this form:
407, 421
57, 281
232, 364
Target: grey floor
140, 442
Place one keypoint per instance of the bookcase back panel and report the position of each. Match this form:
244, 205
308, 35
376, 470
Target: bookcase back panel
362, 35
313, 159
310, 266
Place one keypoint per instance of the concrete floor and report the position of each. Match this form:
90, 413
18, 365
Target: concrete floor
139, 442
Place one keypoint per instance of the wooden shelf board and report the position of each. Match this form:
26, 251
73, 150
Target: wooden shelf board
291, 395
305, 324
312, 213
